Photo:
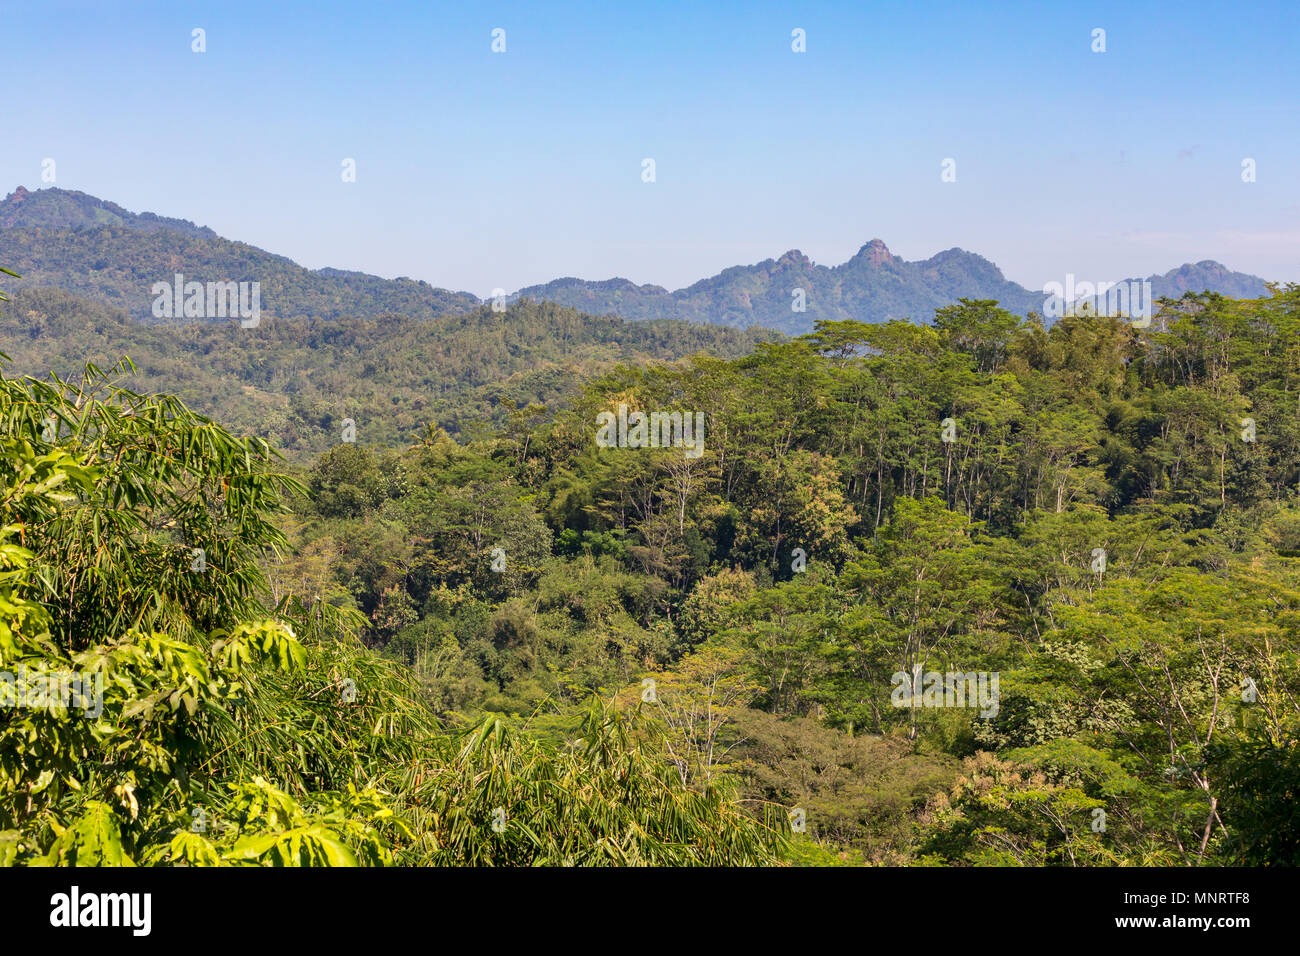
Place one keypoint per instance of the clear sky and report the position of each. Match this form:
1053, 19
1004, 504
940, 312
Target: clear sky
478, 170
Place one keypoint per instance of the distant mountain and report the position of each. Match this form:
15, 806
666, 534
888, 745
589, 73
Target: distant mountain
57, 238
873, 286
69, 240
1207, 276
1129, 296
68, 209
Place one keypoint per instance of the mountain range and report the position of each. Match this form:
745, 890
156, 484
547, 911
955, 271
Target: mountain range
69, 240
873, 286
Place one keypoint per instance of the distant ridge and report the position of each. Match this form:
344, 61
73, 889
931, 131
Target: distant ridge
70, 240
69, 209
57, 238
873, 286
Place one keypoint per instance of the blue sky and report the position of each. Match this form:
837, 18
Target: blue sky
478, 170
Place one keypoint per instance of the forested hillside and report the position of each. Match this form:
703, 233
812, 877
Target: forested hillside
294, 381
1102, 518
64, 239
163, 705
552, 640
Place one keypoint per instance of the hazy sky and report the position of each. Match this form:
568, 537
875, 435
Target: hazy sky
478, 170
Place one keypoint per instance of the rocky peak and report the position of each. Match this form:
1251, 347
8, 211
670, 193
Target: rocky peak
875, 252
794, 258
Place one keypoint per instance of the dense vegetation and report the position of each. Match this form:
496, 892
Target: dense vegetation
230, 732
1104, 532
516, 646
228, 728
294, 381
